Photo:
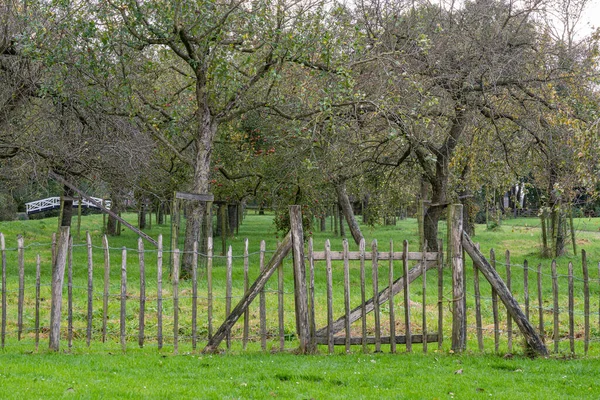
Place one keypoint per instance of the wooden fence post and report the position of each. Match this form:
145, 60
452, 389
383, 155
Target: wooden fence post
459, 307
300, 290
58, 277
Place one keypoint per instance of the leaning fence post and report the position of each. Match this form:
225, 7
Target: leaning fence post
58, 277
459, 309
300, 290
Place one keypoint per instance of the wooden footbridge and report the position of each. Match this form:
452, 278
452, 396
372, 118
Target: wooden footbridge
53, 203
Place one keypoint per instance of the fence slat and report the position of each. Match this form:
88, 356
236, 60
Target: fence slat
37, 302
478, 323
311, 293
329, 297
406, 298
228, 288
175, 278
555, 305
526, 287
123, 321
424, 299
540, 302
376, 310
391, 301
3, 251
571, 309
21, 299
58, 278
106, 287
347, 293
195, 295
280, 306
495, 305
586, 302
262, 302
440, 270
508, 317
159, 298
70, 295
142, 316
209, 284
246, 286
363, 296
90, 288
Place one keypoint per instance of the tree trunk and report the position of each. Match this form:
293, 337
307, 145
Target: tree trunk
67, 213
207, 128
346, 207
342, 226
232, 211
160, 214
142, 215
323, 224
111, 225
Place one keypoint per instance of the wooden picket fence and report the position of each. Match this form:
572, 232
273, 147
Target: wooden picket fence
200, 312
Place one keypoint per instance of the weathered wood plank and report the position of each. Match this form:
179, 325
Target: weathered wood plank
363, 297
508, 318
391, 302
209, 285
376, 298
21, 294
440, 271
347, 294
495, 306
195, 295
329, 274
228, 290
355, 255
159, 296
301, 293
526, 287
3, 253
571, 309
175, 279
340, 340
586, 302
142, 314
70, 294
424, 298
123, 316
478, 323
58, 276
509, 301
90, 288
262, 301
311, 292
407, 314
106, 287
459, 309
37, 302
246, 286
555, 309
541, 329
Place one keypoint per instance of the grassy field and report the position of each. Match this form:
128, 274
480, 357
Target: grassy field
102, 371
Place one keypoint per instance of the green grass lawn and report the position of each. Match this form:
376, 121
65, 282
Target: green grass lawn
102, 371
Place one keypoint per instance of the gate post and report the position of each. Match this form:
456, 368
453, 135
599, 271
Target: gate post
300, 291
459, 304
58, 277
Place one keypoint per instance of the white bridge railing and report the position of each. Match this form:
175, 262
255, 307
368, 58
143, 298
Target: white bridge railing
52, 203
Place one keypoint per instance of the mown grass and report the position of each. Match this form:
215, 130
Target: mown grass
102, 371
146, 374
